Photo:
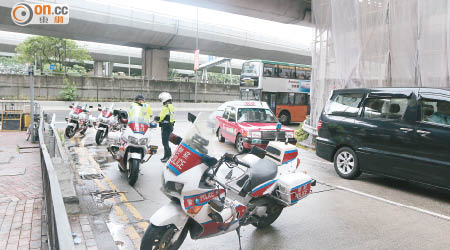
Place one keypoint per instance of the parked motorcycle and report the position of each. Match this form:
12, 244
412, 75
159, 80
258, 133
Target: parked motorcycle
208, 199
106, 122
133, 148
79, 120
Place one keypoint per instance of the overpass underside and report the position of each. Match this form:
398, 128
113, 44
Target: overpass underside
378, 43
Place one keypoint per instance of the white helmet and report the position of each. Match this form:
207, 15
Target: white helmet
164, 97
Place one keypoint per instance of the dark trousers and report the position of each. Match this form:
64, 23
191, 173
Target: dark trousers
165, 133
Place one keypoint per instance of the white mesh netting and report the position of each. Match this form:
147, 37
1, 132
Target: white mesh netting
378, 43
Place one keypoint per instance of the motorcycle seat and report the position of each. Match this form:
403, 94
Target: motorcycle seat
261, 171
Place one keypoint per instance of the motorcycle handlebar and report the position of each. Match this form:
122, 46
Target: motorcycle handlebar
231, 157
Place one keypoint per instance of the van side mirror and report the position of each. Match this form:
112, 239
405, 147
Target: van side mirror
191, 117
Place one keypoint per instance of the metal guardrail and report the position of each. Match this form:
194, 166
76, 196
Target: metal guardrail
59, 231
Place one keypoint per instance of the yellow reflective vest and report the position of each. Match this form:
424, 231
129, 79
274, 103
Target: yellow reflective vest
167, 110
144, 111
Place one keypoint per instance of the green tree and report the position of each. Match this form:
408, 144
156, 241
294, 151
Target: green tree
69, 93
50, 50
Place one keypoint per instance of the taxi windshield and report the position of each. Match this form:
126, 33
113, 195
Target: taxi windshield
255, 115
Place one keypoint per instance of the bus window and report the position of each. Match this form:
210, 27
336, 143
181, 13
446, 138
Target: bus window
301, 99
286, 71
291, 98
269, 70
308, 74
283, 99
250, 69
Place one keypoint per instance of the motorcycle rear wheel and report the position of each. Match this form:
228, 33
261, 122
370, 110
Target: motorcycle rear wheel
158, 238
133, 171
272, 214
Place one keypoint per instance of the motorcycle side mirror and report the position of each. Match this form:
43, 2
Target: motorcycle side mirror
191, 117
70, 106
91, 106
99, 109
99, 105
261, 153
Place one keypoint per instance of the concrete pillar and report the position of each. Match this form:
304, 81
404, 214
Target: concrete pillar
98, 68
108, 69
155, 64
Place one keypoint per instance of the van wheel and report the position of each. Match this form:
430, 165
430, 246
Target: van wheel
285, 117
219, 135
346, 163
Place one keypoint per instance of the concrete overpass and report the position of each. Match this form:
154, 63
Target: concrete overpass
283, 11
118, 56
157, 34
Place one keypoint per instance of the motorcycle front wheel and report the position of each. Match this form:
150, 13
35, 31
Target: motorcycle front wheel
158, 238
133, 171
99, 136
70, 131
272, 214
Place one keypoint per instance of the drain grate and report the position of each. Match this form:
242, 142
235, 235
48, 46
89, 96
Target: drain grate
91, 176
100, 196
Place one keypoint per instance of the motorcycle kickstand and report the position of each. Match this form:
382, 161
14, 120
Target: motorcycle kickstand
238, 231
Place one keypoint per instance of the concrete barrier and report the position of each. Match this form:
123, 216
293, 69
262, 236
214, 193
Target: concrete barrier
111, 89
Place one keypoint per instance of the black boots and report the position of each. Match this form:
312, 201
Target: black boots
165, 158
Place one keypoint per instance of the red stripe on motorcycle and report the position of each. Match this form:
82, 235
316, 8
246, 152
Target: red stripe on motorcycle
184, 159
289, 156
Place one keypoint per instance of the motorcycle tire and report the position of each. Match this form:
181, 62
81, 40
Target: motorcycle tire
99, 137
84, 131
272, 214
70, 131
157, 238
133, 171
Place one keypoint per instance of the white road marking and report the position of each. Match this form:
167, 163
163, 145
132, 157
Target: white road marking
445, 217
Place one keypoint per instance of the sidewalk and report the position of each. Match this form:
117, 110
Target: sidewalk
21, 197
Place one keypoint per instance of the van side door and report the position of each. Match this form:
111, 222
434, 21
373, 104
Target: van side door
433, 139
387, 137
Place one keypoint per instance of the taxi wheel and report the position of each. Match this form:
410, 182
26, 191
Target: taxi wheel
284, 117
239, 143
219, 135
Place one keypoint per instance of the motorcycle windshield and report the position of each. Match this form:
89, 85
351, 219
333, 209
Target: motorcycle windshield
197, 142
136, 122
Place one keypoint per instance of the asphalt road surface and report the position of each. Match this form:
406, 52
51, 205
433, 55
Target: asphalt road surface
371, 212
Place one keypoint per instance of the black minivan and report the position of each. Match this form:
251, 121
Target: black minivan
398, 132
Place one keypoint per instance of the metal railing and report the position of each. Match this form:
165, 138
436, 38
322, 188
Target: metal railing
308, 128
58, 227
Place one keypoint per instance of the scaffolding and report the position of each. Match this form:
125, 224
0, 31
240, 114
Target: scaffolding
378, 43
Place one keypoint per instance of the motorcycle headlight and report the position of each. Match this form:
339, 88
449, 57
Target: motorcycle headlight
73, 116
255, 134
174, 186
289, 134
132, 140
143, 141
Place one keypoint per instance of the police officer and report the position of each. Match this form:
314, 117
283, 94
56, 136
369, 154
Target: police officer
166, 121
140, 109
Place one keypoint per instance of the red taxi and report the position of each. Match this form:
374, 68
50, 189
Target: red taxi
248, 123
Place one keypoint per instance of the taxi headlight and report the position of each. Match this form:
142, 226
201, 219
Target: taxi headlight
289, 134
255, 134
143, 141
132, 140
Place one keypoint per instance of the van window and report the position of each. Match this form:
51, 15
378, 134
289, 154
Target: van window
436, 111
344, 104
385, 108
